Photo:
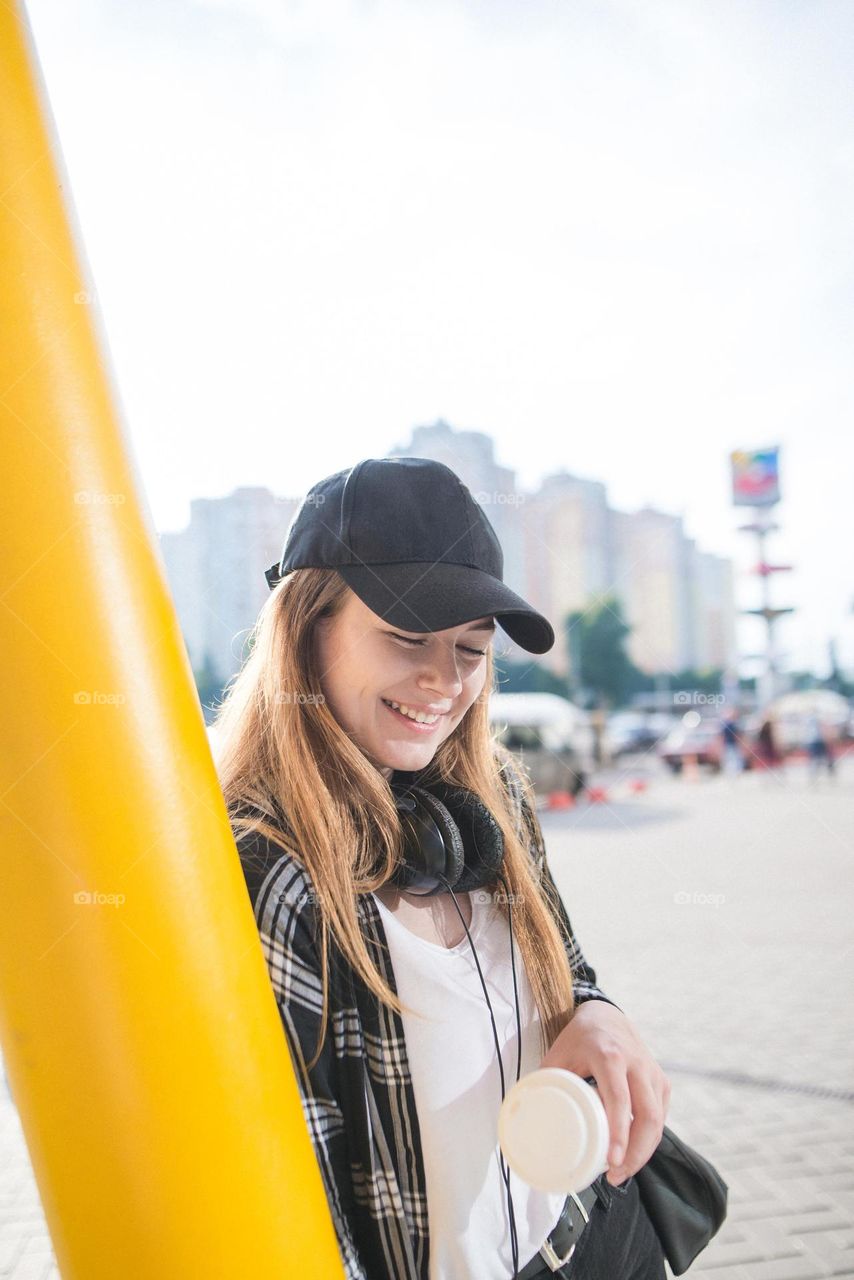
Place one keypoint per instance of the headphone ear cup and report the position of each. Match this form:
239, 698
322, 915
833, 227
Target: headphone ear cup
483, 842
433, 846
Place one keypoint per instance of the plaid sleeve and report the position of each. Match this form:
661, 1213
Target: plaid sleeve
583, 975
285, 917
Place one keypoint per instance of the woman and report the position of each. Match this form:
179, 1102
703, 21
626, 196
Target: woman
370, 670
767, 751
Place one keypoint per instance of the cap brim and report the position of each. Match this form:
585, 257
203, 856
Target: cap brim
431, 597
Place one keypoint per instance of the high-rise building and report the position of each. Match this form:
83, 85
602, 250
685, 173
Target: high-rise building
216, 571
568, 553
714, 612
652, 562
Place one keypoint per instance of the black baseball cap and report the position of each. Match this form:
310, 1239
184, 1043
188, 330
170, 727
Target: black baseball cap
408, 537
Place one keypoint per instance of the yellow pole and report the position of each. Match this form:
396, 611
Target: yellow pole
139, 1027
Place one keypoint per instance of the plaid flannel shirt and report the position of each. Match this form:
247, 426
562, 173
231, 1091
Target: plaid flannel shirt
358, 1099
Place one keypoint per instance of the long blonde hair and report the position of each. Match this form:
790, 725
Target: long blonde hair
284, 761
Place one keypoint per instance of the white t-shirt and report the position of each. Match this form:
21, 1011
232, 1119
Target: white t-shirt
457, 1089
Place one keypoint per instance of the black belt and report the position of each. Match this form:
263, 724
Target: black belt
563, 1237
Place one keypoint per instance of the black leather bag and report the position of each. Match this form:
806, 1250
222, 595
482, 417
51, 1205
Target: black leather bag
685, 1197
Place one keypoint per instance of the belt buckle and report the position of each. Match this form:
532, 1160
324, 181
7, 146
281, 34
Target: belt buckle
548, 1251
555, 1263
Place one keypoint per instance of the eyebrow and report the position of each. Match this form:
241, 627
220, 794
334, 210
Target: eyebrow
475, 626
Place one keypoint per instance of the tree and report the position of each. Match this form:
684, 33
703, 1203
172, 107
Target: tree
528, 677
596, 639
698, 680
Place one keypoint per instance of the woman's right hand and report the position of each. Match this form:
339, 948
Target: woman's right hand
600, 1041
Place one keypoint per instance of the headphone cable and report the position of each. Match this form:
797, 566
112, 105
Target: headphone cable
505, 1172
508, 895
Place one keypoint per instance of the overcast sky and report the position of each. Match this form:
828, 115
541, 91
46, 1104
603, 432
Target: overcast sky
614, 234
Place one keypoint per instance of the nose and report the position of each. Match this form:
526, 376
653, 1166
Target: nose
440, 674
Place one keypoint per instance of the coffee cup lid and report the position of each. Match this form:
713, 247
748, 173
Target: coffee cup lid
553, 1131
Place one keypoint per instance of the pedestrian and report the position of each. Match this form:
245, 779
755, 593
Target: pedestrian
364, 698
819, 747
767, 751
731, 734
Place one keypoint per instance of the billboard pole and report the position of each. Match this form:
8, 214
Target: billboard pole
755, 482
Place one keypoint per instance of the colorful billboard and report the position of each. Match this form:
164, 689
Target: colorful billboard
755, 477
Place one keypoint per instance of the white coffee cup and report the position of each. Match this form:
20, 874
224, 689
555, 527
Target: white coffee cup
553, 1131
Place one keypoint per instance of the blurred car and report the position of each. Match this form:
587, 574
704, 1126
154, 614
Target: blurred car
703, 742
635, 731
793, 714
550, 734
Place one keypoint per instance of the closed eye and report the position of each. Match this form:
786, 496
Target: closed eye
479, 653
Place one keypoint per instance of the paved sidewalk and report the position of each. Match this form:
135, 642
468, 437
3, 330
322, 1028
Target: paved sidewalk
718, 915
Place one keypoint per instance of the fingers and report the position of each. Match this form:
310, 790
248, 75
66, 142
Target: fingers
645, 1132
613, 1085
600, 1042
649, 1090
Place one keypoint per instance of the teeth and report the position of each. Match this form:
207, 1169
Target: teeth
420, 716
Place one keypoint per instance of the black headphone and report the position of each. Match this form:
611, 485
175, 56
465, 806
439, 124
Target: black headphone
452, 842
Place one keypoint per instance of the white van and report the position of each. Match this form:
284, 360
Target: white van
550, 734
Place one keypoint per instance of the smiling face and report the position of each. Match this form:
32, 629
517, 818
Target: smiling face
367, 665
